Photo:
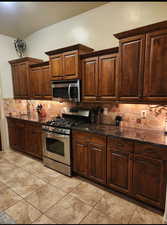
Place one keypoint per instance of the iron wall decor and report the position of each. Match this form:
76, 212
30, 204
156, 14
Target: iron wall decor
20, 46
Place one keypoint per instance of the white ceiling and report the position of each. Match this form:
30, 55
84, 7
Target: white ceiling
19, 19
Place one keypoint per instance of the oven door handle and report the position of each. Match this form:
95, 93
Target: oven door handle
49, 134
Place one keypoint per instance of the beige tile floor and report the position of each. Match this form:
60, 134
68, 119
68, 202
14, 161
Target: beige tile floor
33, 194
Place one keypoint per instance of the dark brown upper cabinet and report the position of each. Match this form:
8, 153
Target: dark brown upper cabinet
99, 75
21, 76
40, 81
142, 63
89, 78
65, 62
56, 67
155, 77
70, 64
131, 67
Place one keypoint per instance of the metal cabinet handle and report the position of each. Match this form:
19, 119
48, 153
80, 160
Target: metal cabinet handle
150, 151
120, 145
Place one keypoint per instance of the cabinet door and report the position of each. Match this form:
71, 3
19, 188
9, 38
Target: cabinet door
16, 130
20, 135
149, 180
45, 83
34, 140
119, 170
12, 133
24, 80
56, 67
20, 80
97, 162
35, 81
16, 80
80, 157
89, 78
131, 66
155, 76
107, 77
70, 65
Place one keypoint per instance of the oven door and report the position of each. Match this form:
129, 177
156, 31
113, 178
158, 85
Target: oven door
57, 147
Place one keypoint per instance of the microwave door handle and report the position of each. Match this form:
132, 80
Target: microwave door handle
69, 91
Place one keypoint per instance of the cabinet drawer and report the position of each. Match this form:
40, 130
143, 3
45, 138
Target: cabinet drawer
89, 138
97, 139
151, 151
120, 144
82, 136
34, 125
19, 123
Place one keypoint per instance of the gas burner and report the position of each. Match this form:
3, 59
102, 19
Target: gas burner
63, 122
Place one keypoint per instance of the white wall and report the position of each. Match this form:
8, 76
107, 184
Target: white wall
96, 27
7, 52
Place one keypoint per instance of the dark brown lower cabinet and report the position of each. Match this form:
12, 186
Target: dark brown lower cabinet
97, 160
89, 156
120, 164
12, 134
34, 139
119, 170
25, 136
136, 169
149, 174
80, 152
80, 158
16, 134
148, 180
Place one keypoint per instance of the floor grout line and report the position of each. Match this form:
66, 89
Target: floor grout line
48, 208
90, 211
45, 216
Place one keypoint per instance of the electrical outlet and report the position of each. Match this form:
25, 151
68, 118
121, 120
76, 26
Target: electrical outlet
143, 114
138, 121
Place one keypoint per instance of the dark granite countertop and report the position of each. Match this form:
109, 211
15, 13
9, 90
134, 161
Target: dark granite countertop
142, 135
31, 118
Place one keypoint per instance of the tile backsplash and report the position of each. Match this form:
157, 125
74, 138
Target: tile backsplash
52, 108
132, 114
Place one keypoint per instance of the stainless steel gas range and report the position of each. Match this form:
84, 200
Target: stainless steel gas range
57, 139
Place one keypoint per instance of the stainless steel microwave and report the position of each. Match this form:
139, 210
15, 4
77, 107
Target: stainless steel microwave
68, 90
